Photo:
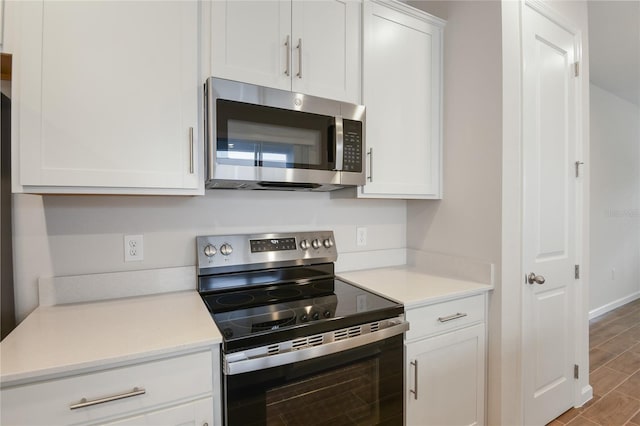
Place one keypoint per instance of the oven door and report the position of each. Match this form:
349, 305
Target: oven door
362, 385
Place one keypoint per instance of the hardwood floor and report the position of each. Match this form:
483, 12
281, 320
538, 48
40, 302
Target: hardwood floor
614, 365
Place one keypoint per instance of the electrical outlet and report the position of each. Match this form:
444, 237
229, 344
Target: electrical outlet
133, 248
361, 236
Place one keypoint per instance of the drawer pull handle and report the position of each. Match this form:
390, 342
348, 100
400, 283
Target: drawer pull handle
452, 317
84, 403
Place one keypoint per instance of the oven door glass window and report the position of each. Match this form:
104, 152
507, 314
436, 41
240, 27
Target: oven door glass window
254, 135
354, 387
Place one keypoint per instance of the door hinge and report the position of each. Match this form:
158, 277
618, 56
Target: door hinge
578, 164
577, 272
576, 69
576, 371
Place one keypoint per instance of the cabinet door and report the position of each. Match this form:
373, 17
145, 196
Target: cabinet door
251, 42
450, 373
108, 95
401, 90
326, 48
197, 413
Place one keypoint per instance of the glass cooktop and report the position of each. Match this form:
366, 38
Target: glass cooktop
263, 315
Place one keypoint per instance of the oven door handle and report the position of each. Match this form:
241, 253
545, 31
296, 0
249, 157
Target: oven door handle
232, 365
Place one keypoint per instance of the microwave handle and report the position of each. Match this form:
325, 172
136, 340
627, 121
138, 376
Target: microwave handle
339, 138
209, 104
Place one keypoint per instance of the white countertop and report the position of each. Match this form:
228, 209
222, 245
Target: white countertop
413, 286
55, 340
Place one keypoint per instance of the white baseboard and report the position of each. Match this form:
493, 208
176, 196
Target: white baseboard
585, 396
613, 305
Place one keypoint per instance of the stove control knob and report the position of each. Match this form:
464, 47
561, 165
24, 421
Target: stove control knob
315, 316
315, 243
304, 244
327, 314
328, 243
226, 249
304, 318
210, 250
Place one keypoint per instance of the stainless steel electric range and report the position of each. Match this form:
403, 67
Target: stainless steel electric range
300, 346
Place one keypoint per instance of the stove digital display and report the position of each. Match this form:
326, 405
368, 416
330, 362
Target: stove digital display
273, 244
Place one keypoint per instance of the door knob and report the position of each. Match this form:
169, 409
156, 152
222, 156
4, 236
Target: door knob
533, 278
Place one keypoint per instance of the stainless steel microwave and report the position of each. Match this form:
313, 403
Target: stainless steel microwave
264, 138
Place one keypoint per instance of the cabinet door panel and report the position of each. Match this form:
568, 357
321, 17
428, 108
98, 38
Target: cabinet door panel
249, 42
450, 379
401, 89
118, 95
195, 413
330, 63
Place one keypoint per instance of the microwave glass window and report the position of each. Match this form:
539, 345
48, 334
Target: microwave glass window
270, 145
257, 135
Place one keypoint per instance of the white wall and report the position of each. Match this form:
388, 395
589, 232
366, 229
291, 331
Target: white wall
71, 235
615, 201
467, 222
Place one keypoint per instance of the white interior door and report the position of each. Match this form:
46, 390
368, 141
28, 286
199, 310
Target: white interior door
549, 230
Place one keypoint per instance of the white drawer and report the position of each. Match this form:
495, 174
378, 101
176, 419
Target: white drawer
445, 316
164, 381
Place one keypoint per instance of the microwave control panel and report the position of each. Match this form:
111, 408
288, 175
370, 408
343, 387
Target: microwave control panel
353, 148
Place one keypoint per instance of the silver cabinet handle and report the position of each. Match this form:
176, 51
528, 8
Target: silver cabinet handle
452, 317
191, 150
287, 71
370, 154
414, 391
299, 58
533, 278
84, 403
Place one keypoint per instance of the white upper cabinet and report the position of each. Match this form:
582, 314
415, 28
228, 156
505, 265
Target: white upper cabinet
312, 47
402, 90
107, 97
249, 42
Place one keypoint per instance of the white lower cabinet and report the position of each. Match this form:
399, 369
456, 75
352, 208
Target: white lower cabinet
171, 391
445, 367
